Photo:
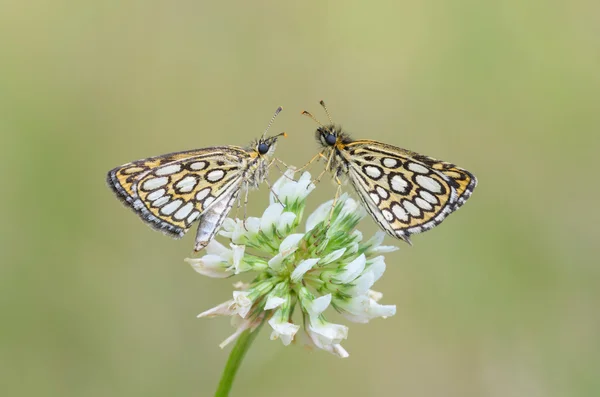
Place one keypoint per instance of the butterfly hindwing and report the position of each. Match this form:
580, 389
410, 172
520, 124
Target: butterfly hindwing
213, 218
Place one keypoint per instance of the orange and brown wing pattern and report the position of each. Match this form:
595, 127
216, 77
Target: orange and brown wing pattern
170, 192
465, 182
406, 193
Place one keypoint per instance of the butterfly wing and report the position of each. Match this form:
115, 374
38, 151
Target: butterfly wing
464, 180
170, 192
406, 193
212, 219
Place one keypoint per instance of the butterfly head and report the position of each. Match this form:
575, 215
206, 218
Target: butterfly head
327, 135
265, 147
331, 135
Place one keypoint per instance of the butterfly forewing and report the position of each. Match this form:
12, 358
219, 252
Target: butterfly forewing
170, 192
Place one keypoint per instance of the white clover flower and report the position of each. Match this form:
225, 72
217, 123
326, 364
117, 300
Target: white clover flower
327, 266
219, 261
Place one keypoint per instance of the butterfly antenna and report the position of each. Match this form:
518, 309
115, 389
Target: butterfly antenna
279, 109
306, 113
322, 103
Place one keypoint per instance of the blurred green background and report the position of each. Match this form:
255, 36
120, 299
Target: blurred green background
501, 300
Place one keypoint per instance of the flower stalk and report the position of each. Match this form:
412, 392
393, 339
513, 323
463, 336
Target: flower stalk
241, 347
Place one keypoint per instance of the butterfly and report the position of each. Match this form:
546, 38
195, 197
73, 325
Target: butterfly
403, 191
172, 191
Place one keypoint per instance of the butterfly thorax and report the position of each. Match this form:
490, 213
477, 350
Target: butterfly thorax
256, 172
258, 164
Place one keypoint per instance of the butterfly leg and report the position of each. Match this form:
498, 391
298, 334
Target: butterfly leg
316, 156
327, 165
335, 198
274, 194
279, 169
245, 206
280, 161
239, 204
283, 173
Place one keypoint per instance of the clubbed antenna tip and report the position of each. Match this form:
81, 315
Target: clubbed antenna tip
279, 109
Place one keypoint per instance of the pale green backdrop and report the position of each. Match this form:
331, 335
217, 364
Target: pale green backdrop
501, 300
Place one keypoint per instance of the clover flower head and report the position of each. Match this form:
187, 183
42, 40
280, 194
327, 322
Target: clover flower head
329, 265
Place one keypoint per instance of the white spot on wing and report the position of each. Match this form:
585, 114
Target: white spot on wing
171, 207
168, 169
373, 172
187, 184
375, 197
389, 162
202, 194
411, 208
215, 175
132, 170
198, 165
398, 184
418, 168
155, 183
184, 211
387, 215
382, 192
193, 216
399, 212
430, 198
156, 194
429, 183
161, 201
423, 204
207, 202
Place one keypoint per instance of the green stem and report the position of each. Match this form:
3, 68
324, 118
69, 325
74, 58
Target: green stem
235, 360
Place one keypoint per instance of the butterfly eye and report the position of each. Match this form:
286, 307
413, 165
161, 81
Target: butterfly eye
330, 139
263, 148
